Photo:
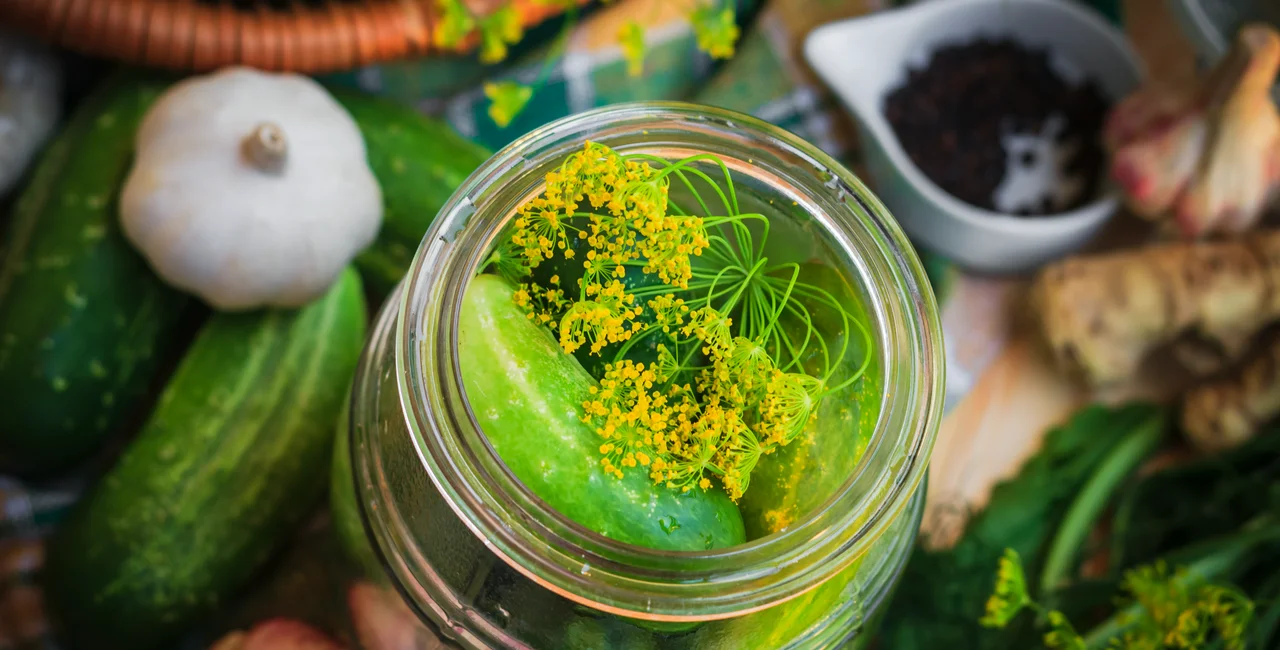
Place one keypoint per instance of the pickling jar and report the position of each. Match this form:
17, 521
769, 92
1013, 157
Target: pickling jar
478, 561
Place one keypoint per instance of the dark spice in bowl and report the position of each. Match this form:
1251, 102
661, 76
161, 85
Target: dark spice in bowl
995, 125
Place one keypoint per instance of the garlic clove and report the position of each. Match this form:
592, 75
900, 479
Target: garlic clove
1238, 172
1148, 111
1154, 169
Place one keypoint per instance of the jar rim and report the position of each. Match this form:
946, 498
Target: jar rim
613, 576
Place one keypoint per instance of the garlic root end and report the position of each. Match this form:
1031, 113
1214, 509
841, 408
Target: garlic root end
265, 148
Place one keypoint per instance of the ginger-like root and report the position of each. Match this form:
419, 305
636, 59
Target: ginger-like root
1102, 315
1208, 158
1225, 413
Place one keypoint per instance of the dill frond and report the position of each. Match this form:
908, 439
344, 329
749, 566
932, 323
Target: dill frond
631, 39
726, 388
1176, 610
715, 31
1010, 596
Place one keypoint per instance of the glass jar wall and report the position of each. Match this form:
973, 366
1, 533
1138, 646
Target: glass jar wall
425, 499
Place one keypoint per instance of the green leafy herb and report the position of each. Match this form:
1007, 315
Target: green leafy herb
1182, 504
631, 38
498, 30
1096, 494
716, 31
714, 25
940, 597
731, 383
507, 99
455, 23
1176, 610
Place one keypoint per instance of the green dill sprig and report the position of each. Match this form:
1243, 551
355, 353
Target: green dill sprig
741, 364
714, 26
1176, 610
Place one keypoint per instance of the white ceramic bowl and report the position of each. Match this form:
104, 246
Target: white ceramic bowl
863, 59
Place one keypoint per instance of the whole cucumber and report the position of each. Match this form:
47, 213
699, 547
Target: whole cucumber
233, 457
527, 395
83, 320
418, 162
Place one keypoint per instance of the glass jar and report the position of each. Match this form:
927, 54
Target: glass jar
486, 564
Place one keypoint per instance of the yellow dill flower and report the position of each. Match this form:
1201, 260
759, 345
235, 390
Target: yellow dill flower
716, 31
1061, 635
608, 318
694, 456
597, 269
1010, 594
668, 311
454, 24
712, 328
631, 38
508, 260
498, 30
540, 230
629, 416
789, 403
506, 100
750, 359
738, 458
542, 305
666, 366
1180, 611
667, 244
1176, 611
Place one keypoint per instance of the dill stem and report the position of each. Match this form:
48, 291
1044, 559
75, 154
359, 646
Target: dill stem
710, 251
1210, 566
1119, 463
801, 313
683, 166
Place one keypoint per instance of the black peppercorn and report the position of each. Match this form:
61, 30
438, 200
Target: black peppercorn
951, 114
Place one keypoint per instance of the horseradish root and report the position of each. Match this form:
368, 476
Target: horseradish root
1206, 159
1102, 315
1225, 413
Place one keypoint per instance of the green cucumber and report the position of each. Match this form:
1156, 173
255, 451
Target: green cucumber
348, 522
233, 457
418, 162
527, 396
83, 320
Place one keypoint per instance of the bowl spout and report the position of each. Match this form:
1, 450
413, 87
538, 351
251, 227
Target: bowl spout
861, 59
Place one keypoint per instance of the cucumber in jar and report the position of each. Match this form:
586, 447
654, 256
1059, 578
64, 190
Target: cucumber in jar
527, 396
806, 473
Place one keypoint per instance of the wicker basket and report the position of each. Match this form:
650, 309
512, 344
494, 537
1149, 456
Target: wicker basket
308, 36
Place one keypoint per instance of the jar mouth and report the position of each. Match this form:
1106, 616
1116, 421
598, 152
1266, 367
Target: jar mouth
621, 578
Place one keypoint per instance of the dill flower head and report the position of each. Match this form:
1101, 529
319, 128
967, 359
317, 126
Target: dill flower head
454, 23
789, 403
631, 38
609, 318
668, 311
1061, 635
716, 31
498, 30
712, 328
543, 305
1176, 611
1181, 611
1010, 594
507, 99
